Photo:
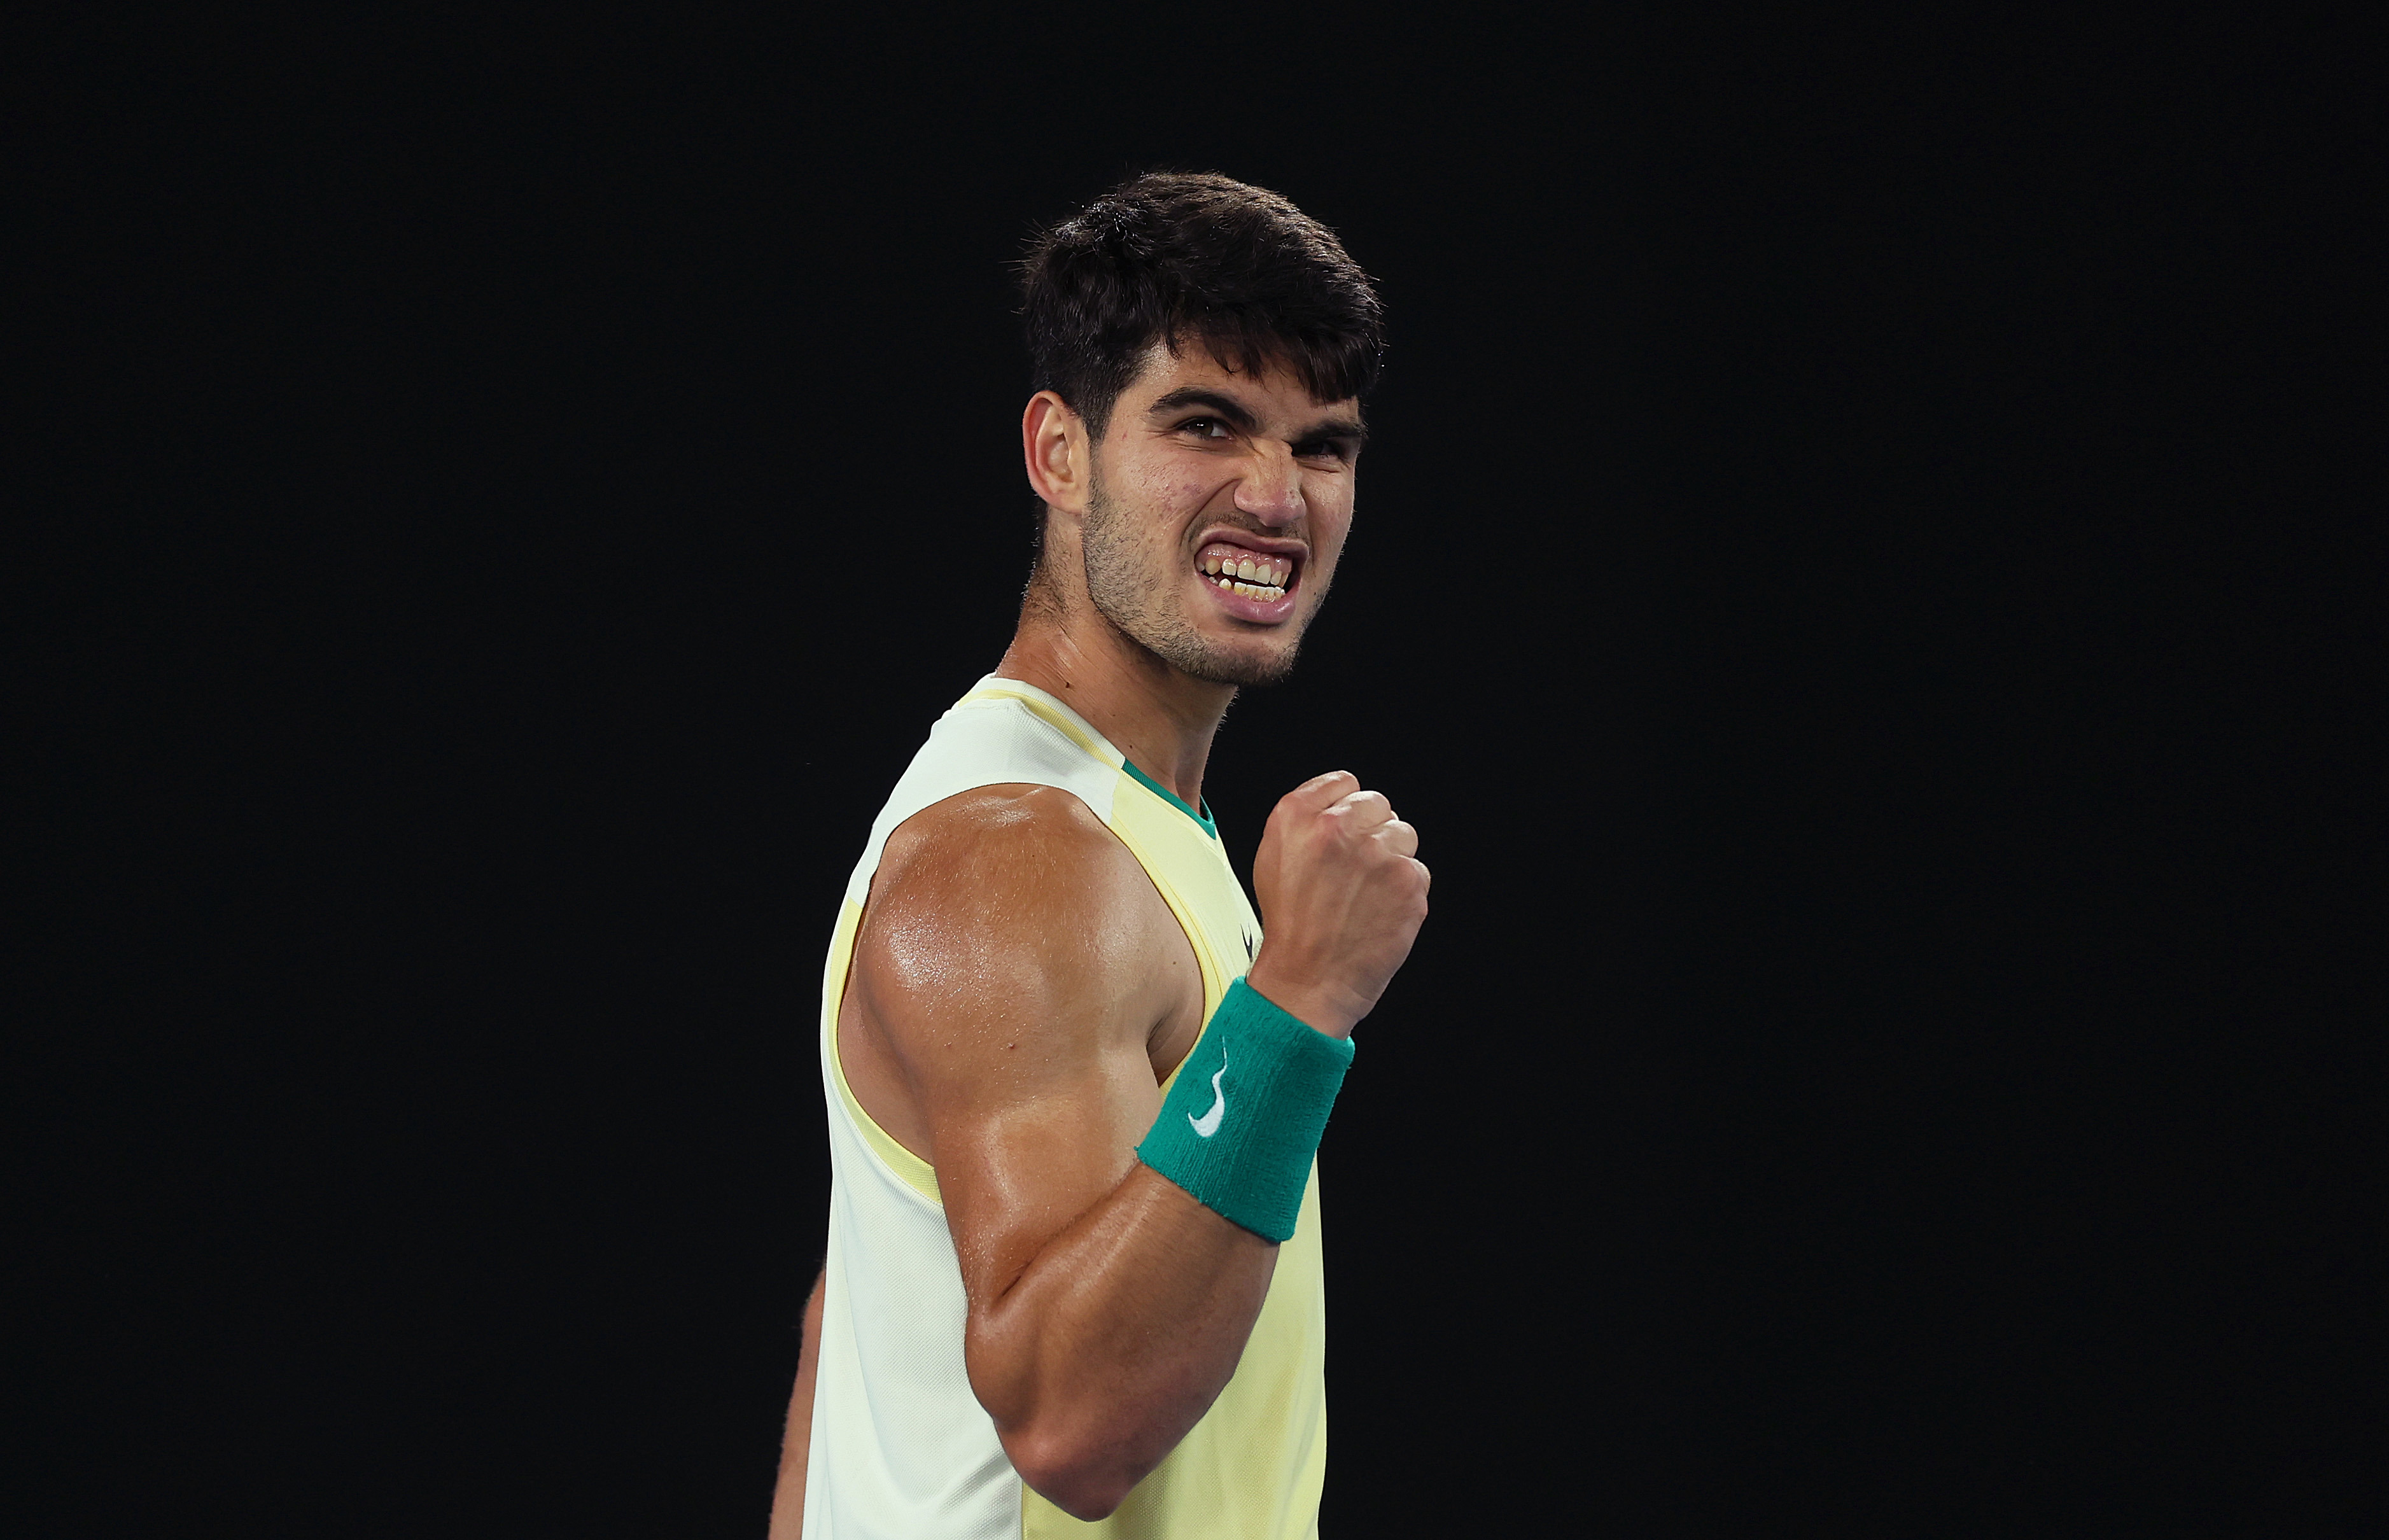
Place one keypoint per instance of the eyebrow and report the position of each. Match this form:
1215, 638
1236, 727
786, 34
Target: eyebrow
1347, 431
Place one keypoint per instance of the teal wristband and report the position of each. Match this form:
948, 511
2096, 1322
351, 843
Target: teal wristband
1239, 1128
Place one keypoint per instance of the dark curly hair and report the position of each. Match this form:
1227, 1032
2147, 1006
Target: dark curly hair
1181, 255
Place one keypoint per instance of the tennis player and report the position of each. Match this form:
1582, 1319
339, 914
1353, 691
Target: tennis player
1074, 1087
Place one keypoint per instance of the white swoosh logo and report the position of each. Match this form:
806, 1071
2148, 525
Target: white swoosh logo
1208, 1124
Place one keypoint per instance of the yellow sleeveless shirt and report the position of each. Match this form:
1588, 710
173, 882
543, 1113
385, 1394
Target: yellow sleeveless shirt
902, 1449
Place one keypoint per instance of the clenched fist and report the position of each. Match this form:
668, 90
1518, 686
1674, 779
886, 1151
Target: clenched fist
1342, 893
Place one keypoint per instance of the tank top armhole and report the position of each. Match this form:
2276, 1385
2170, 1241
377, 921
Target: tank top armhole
906, 1167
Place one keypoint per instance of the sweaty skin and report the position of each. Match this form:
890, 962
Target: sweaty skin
1019, 990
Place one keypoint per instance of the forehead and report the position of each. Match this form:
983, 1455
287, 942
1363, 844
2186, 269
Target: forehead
1273, 389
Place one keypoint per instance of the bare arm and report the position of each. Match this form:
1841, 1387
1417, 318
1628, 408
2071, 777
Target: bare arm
1016, 968
789, 1498
1015, 963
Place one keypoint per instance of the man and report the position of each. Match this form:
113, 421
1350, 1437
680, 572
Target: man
1073, 1277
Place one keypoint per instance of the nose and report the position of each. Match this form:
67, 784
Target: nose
1270, 489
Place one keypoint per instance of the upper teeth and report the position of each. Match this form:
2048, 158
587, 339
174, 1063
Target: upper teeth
1265, 571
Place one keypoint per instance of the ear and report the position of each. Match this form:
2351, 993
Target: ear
1054, 442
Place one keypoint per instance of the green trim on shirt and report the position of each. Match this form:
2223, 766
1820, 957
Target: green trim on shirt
1158, 789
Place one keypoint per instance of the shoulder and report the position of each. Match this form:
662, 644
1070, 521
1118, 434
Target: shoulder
998, 837
1026, 873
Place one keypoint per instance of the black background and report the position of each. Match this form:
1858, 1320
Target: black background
1858, 581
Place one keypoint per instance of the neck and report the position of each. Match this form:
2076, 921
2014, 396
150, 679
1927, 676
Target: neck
1162, 719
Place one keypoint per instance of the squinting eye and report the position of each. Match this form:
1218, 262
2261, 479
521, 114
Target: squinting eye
1205, 427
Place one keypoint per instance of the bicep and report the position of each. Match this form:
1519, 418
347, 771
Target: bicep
1024, 1154
1012, 976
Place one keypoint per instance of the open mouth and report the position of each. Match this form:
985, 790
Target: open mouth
1247, 574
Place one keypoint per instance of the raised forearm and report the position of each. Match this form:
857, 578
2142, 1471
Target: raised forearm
1116, 1339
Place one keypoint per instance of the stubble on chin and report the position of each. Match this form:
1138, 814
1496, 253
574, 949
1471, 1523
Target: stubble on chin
1141, 601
